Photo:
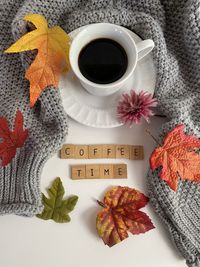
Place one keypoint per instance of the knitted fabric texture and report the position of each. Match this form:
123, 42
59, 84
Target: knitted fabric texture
175, 28
20, 180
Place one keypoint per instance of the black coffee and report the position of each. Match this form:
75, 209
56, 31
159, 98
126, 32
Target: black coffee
103, 61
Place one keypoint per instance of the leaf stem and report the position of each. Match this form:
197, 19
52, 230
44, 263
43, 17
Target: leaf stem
101, 204
153, 137
161, 116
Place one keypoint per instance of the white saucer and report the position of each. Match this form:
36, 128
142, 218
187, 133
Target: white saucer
98, 111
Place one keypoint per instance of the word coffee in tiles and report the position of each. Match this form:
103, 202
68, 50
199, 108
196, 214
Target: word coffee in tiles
71, 151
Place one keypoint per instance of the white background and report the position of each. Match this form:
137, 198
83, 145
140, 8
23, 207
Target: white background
32, 242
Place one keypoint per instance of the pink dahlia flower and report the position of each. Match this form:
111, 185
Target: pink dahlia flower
133, 107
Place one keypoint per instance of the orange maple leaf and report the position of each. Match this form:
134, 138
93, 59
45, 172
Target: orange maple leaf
52, 57
121, 213
177, 157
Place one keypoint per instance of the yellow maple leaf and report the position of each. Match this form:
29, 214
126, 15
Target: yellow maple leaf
52, 58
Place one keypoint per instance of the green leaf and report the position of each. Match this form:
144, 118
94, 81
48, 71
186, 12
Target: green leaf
55, 207
70, 203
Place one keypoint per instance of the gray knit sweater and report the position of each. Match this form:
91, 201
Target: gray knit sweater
174, 25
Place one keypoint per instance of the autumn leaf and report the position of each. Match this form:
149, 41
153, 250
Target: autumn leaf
52, 56
177, 157
11, 140
55, 207
121, 214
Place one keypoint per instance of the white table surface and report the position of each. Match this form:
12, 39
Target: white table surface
32, 242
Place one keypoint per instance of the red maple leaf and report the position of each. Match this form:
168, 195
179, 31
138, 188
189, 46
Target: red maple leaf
177, 157
11, 139
121, 215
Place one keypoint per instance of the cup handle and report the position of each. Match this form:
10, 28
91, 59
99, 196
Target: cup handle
144, 48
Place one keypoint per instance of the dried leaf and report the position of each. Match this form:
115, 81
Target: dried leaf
55, 207
11, 139
177, 157
52, 57
121, 215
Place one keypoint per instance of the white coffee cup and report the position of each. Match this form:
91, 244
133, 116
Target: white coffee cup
134, 52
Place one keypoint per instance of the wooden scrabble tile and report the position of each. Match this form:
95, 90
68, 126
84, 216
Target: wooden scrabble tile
95, 151
122, 151
106, 171
109, 151
119, 171
92, 171
137, 152
81, 152
67, 152
78, 171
